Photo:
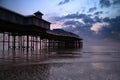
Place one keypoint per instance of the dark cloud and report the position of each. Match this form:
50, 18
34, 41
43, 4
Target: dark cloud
97, 19
107, 19
108, 3
79, 28
86, 18
83, 9
63, 2
74, 16
92, 9
73, 22
98, 13
105, 3
111, 32
83, 30
56, 18
116, 2
89, 15
69, 16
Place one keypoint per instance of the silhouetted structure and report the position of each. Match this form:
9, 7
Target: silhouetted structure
28, 32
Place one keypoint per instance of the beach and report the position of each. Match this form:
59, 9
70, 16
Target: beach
88, 63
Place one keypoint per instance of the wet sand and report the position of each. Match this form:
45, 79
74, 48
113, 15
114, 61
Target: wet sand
89, 63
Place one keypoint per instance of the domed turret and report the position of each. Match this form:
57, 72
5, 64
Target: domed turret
38, 14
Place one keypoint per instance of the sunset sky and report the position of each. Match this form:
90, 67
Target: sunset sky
96, 21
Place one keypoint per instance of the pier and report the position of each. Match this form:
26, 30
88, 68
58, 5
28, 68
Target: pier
25, 34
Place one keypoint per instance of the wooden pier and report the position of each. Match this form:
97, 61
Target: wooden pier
30, 33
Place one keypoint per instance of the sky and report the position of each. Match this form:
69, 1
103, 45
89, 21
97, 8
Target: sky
96, 21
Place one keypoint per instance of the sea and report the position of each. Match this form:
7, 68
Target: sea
87, 63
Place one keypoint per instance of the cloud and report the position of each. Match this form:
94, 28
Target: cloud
113, 31
116, 2
56, 18
108, 3
97, 19
72, 22
92, 9
63, 2
98, 13
84, 17
88, 19
107, 19
105, 3
98, 26
56, 26
87, 26
78, 28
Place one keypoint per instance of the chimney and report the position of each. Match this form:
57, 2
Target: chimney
38, 14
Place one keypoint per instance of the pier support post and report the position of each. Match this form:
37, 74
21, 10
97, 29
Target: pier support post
27, 54
49, 43
8, 41
31, 43
13, 45
40, 43
36, 43
3, 45
27, 43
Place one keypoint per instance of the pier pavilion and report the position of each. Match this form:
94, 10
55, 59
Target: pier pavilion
29, 33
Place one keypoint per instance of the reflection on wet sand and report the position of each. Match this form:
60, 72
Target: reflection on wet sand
17, 56
64, 64
31, 72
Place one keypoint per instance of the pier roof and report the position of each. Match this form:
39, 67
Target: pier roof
63, 33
